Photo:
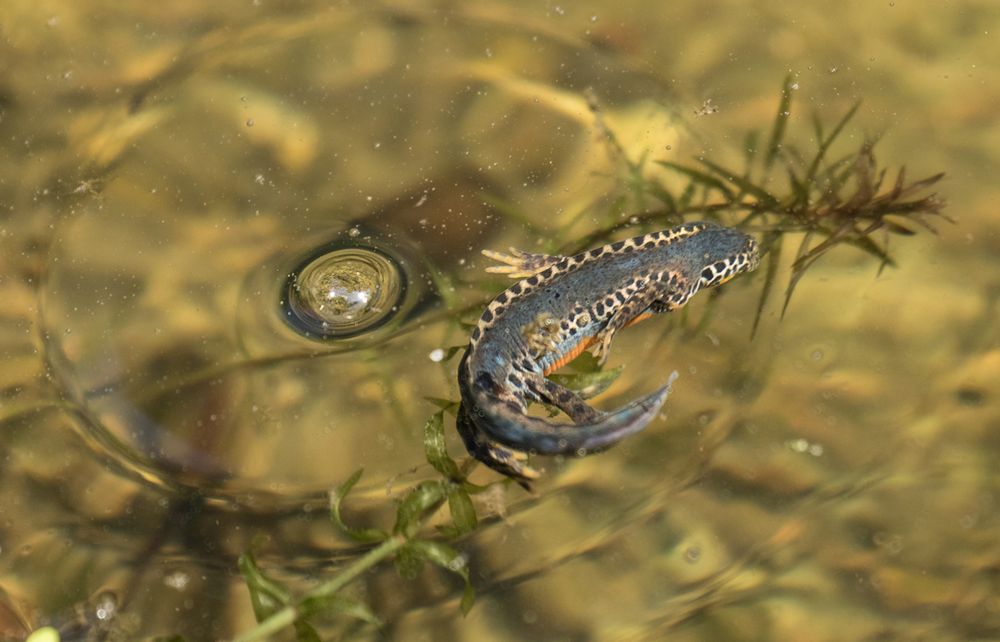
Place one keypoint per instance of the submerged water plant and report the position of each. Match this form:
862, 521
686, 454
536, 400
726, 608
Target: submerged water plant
410, 544
783, 190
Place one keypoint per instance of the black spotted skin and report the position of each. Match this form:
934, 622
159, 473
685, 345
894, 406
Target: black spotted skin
563, 305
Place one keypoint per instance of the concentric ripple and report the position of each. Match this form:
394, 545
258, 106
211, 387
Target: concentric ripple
343, 292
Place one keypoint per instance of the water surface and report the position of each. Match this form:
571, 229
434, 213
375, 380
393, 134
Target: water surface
164, 167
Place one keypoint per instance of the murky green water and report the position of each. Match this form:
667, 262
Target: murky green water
164, 167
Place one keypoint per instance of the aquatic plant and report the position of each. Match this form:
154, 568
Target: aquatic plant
829, 202
409, 544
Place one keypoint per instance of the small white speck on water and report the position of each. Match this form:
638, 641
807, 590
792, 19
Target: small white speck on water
805, 446
178, 580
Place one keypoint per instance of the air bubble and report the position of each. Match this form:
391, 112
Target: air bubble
343, 292
105, 606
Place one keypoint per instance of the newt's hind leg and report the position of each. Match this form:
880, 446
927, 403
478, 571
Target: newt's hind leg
520, 264
564, 399
504, 460
642, 304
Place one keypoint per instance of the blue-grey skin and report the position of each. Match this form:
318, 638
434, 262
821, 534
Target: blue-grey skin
565, 305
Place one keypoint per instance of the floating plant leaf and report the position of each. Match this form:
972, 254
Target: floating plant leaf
304, 632
435, 449
449, 559
267, 596
409, 562
446, 405
336, 497
451, 351
588, 384
426, 497
337, 604
463, 513
585, 362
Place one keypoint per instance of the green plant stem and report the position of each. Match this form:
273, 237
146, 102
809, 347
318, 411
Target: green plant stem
286, 616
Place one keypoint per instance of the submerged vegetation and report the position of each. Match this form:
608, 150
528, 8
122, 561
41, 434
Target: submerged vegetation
408, 544
784, 194
783, 190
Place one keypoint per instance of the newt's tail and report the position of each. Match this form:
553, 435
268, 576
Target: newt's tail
503, 422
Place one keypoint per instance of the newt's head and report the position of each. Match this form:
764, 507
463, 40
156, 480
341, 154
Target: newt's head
724, 253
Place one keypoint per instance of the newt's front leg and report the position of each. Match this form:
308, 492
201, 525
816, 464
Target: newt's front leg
520, 264
651, 299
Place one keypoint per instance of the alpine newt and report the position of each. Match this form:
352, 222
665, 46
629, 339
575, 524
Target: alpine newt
561, 306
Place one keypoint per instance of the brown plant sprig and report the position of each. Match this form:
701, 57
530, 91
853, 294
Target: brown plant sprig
782, 191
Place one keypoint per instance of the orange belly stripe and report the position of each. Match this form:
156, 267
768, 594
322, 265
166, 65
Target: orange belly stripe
569, 356
641, 317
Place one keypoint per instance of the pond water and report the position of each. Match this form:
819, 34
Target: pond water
239, 241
